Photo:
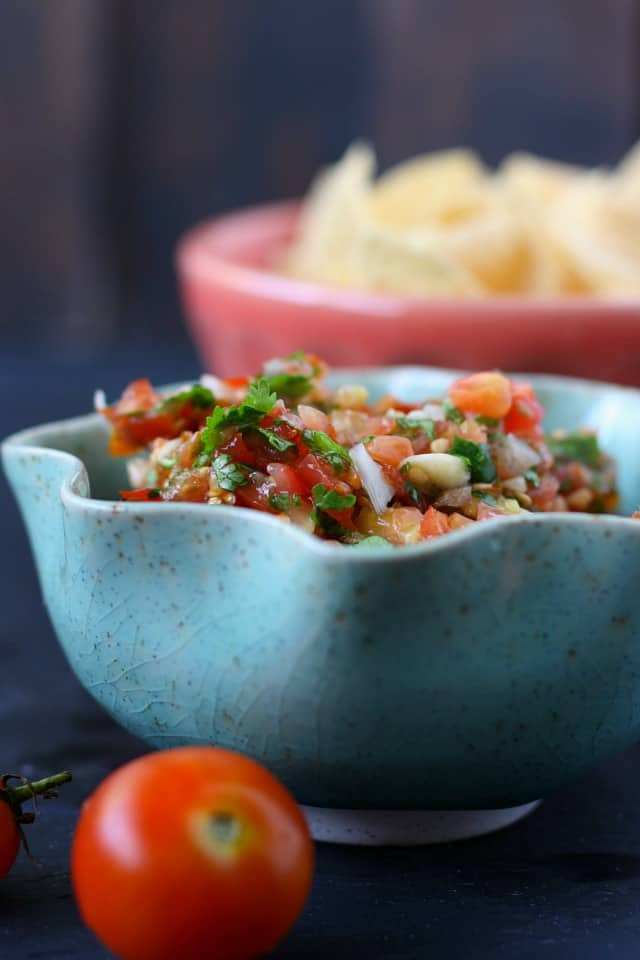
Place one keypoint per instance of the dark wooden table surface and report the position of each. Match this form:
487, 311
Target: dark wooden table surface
563, 884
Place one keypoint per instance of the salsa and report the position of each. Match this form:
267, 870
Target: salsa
350, 469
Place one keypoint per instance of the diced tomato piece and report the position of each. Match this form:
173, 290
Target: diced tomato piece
544, 495
526, 413
238, 450
487, 512
434, 524
458, 520
286, 479
343, 517
312, 470
399, 525
390, 451
404, 524
484, 394
144, 494
314, 419
235, 383
256, 493
264, 452
138, 397
132, 432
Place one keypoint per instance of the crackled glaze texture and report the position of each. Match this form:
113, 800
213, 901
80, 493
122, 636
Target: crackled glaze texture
482, 670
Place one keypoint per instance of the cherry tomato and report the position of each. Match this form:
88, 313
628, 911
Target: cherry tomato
485, 394
9, 838
191, 853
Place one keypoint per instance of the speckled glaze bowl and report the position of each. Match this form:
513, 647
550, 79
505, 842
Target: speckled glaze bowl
475, 672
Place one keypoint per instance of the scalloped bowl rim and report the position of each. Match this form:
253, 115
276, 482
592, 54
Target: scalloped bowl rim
27, 439
195, 256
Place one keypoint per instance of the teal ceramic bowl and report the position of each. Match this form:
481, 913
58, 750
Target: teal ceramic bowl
482, 670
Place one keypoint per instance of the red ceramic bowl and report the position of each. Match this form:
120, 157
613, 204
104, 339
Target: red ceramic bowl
241, 312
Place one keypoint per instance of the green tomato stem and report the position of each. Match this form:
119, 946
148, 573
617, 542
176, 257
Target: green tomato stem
19, 795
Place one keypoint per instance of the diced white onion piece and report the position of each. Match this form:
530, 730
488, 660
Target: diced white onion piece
99, 401
137, 470
291, 418
514, 457
211, 383
430, 411
442, 470
379, 491
166, 450
516, 485
181, 388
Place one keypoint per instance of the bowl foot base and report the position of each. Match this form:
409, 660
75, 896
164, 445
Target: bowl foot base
408, 828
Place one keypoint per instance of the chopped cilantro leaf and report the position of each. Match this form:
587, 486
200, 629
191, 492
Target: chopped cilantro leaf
410, 487
331, 451
414, 425
258, 402
229, 475
259, 396
373, 541
327, 524
289, 386
284, 501
531, 476
197, 396
275, 440
576, 446
325, 499
167, 462
488, 421
452, 413
477, 455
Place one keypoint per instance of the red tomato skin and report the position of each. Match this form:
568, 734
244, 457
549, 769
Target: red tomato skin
312, 470
9, 838
487, 394
286, 479
526, 413
435, 523
255, 494
138, 396
151, 890
142, 495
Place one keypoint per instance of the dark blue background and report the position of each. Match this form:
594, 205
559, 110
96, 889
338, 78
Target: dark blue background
124, 121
